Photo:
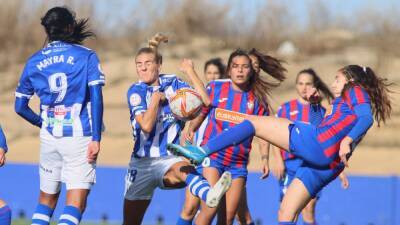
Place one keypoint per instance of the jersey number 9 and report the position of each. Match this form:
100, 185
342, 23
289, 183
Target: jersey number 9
58, 84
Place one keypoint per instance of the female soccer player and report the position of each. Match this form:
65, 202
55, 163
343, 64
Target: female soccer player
154, 126
300, 109
214, 69
5, 211
231, 99
360, 95
67, 78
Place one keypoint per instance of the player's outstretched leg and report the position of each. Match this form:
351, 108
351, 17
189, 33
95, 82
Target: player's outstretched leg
271, 129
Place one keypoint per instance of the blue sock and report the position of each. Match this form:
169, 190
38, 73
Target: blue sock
182, 221
5, 215
229, 137
70, 216
287, 223
42, 215
198, 186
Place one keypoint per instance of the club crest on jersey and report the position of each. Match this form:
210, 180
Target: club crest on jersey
250, 105
135, 99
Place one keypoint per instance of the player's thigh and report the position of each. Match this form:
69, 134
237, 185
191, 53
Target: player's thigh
233, 196
134, 211
77, 172
272, 129
190, 206
50, 164
243, 206
295, 199
176, 175
140, 181
309, 210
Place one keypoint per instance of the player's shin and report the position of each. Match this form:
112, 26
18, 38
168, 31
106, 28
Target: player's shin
197, 185
70, 216
229, 137
42, 215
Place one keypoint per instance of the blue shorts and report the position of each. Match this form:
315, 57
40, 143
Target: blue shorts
303, 143
316, 179
291, 168
237, 172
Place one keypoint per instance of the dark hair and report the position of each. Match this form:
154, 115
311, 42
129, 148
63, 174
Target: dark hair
260, 87
317, 83
152, 47
219, 64
60, 25
376, 87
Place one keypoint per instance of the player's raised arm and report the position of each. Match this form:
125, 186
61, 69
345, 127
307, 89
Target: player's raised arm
187, 67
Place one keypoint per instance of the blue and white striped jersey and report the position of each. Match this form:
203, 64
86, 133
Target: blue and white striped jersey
60, 75
166, 129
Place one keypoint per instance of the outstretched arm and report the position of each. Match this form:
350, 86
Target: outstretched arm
188, 68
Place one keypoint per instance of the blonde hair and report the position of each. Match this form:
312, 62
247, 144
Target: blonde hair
152, 46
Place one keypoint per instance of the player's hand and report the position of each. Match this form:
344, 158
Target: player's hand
313, 95
2, 157
278, 170
186, 66
159, 96
345, 182
344, 151
264, 169
93, 151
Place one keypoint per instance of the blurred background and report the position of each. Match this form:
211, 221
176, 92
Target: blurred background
321, 34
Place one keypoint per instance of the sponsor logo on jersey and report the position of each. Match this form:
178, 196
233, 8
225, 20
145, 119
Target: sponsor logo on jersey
250, 105
292, 113
229, 116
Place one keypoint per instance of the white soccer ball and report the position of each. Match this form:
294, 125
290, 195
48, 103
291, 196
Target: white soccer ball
185, 104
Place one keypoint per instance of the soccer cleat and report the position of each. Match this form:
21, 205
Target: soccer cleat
194, 153
220, 188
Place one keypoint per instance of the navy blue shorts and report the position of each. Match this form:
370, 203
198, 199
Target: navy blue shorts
303, 143
237, 172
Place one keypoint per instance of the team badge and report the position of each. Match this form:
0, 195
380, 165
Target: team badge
135, 99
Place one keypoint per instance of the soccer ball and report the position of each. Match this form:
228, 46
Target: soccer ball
185, 104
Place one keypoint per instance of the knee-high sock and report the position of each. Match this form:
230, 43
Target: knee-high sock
5, 215
198, 186
42, 215
70, 216
229, 137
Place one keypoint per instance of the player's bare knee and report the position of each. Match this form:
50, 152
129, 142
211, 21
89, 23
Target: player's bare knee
188, 212
285, 215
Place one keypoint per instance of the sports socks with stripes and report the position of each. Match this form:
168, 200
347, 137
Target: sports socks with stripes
5, 215
42, 215
70, 216
232, 136
197, 185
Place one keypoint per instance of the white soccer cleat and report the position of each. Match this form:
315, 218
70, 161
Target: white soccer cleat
220, 188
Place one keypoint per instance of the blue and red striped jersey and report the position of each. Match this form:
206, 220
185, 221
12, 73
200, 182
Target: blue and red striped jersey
229, 107
294, 110
341, 120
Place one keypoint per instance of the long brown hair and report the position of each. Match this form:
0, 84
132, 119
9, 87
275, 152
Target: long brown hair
272, 67
259, 86
376, 87
152, 47
317, 83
